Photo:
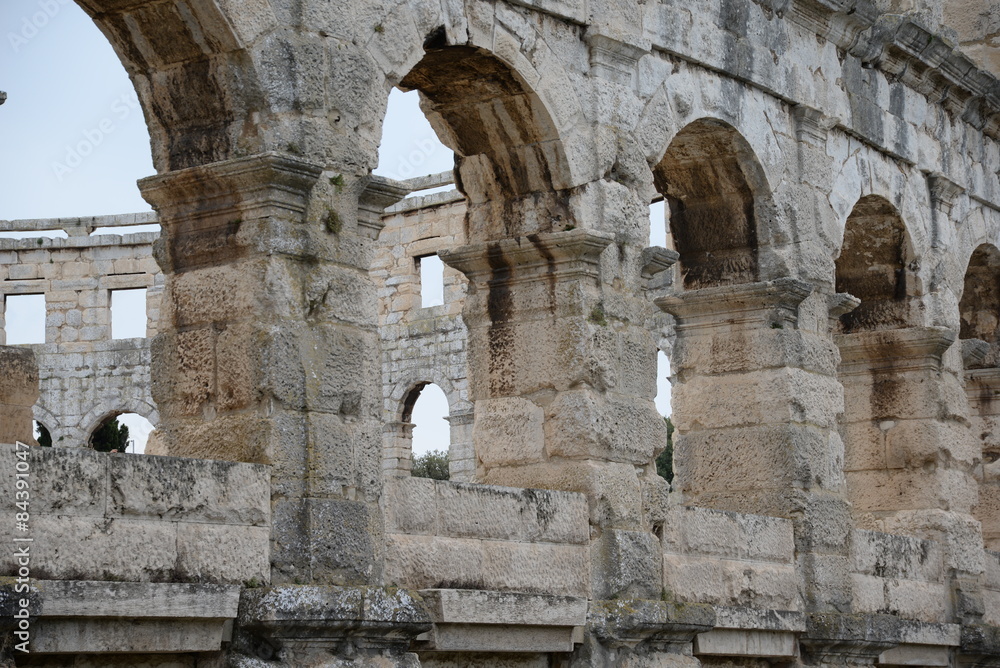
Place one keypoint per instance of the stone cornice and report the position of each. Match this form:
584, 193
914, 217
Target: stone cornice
774, 304
906, 349
574, 254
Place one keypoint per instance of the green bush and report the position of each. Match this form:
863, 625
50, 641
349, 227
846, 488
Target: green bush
433, 465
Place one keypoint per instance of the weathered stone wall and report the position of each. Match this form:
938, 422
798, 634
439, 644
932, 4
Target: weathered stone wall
130, 518
85, 375
18, 393
776, 116
423, 345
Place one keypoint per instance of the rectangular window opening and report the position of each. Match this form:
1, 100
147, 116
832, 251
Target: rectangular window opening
431, 280
128, 313
24, 317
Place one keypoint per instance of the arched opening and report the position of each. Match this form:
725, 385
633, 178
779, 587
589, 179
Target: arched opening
508, 158
121, 433
979, 309
658, 224
980, 304
409, 147
426, 410
72, 118
42, 435
874, 266
711, 179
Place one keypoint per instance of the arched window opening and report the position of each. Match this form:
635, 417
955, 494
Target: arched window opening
122, 433
409, 147
42, 435
980, 305
874, 266
426, 408
509, 161
709, 176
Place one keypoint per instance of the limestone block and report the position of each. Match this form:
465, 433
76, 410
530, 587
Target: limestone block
612, 490
626, 564
188, 490
760, 398
499, 513
214, 294
90, 548
746, 643
585, 424
222, 553
410, 506
18, 377
428, 562
508, 431
868, 593
343, 537
729, 582
922, 601
892, 556
83, 636
706, 532
750, 350
62, 481
556, 569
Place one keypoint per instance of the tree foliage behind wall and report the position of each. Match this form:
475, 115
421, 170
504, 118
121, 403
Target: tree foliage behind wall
111, 435
433, 464
665, 461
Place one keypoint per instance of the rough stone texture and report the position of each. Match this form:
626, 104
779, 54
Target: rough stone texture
18, 393
831, 175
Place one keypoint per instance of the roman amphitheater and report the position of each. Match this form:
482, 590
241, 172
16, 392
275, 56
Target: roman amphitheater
830, 304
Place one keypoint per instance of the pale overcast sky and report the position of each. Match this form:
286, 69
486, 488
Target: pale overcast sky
74, 140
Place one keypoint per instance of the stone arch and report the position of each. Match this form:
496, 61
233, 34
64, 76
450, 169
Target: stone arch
877, 265
193, 74
714, 185
97, 415
510, 157
979, 308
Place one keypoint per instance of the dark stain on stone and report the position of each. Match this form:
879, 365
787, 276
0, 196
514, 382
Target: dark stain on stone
500, 307
550, 269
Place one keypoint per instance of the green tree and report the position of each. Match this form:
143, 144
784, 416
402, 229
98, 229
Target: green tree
433, 464
44, 438
665, 462
110, 436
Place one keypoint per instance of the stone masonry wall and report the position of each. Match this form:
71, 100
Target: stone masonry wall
85, 375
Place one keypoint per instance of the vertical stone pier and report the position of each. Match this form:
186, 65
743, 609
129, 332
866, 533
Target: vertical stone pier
563, 384
18, 394
983, 390
755, 406
268, 350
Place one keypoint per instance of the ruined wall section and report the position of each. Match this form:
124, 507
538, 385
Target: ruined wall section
85, 375
423, 345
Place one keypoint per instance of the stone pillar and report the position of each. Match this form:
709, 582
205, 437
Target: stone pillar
18, 394
462, 453
398, 443
755, 407
562, 375
268, 349
982, 387
911, 457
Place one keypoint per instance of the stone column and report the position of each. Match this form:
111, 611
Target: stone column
755, 407
18, 394
562, 375
982, 387
910, 453
462, 453
268, 351
398, 442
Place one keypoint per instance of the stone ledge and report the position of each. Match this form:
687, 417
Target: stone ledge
629, 622
470, 620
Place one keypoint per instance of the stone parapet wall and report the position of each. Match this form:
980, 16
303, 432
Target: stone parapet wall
121, 517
